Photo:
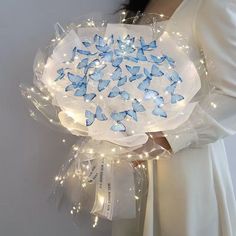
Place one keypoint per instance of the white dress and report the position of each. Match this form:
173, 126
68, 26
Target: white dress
193, 194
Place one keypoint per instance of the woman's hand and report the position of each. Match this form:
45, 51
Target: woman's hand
155, 146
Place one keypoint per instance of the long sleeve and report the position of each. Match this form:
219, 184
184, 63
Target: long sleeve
215, 116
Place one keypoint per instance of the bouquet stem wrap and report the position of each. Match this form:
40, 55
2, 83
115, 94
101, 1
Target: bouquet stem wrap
118, 185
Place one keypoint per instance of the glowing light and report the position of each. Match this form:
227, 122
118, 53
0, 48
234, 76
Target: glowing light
213, 105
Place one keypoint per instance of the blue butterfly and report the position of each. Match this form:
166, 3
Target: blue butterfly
116, 74
86, 44
116, 92
134, 73
74, 51
61, 74
116, 62
145, 84
102, 84
126, 45
159, 101
70, 87
122, 81
74, 78
169, 60
83, 63
158, 111
137, 107
85, 52
140, 55
158, 60
106, 56
118, 116
119, 53
75, 82
82, 91
150, 94
176, 98
118, 127
100, 41
146, 46
130, 58
175, 77
103, 49
155, 71
171, 88
97, 73
91, 117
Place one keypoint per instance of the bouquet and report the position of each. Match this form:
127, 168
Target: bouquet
113, 85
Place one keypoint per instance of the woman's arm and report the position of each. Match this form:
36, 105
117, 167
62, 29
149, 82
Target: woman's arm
215, 117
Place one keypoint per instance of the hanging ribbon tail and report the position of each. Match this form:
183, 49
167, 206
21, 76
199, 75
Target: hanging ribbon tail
115, 190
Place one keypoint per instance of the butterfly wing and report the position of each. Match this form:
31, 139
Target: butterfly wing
133, 70
176, 98
104, 48
144, 84
102, 84
125, 95
69, 88
144, 46
122, 81
129, 58
171, 88
81, 91
83, 63
153, 44
86, 44
147, 73
118, 52
132, 114
85, 52
116, 74
96, 76
150, 94
135, 77
170, 61
137, 106
89, 97
158, 60
140, 55
106, 56
114, 92
117, 61
74, 78
99, 115
156, 71
90, 117
118, 127
159, 112
175, 77
118, 116
61, 74
159, 101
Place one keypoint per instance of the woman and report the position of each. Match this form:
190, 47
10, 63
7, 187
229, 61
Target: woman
194, 190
